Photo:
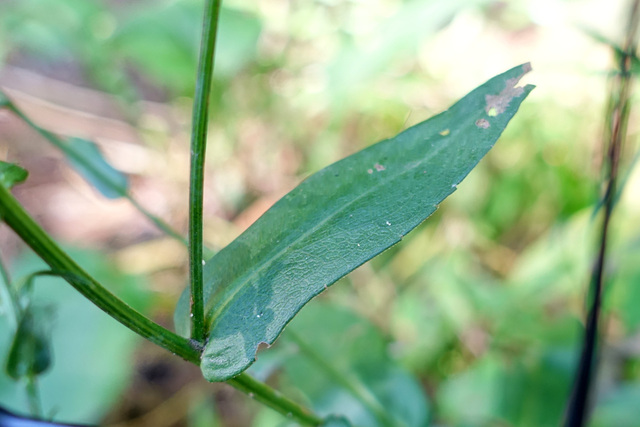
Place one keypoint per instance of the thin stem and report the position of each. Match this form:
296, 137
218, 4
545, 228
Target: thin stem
162, 226
31, 233
577, 413
49, 136
274, 399
346, 380
198, 153
61, 144
33, 396
8, 297
166, 228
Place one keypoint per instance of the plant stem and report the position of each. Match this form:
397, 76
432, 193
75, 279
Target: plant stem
61, 144
31, 233
159, 223
33, 396
8, 297
578, 406
272, 398
346, 380
198, 154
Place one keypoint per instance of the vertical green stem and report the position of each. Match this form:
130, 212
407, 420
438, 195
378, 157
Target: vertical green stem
198, 152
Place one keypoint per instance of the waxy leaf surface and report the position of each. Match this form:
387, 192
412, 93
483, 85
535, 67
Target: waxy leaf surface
339, 218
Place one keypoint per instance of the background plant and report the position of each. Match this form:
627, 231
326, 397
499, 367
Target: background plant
470, 266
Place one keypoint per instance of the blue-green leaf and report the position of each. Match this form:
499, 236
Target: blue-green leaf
85, 157
339, 218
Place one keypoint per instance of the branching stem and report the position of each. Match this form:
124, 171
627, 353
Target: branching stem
33, 235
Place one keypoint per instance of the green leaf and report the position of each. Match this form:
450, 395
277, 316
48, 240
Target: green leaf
397, 36
163, 43
339, 218
617, 406
85, 157
73, 389
11, 174
341, 363
29, 354
238, 35
4, 101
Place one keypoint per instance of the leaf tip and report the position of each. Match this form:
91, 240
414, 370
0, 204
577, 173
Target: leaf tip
497, 104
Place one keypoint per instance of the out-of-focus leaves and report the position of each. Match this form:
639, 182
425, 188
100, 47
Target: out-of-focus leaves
340, 218
53, 29
11, 174
356, 65
344, 369
342, 366
92, 353
238, 35
477, 387
8, 419
4, 101
161, 42
618, 407
202, 413
617, 48
514, 390
86, 158
83, 155
623, 294
164, 43
30, 352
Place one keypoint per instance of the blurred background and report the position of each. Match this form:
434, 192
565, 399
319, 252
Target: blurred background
475, 319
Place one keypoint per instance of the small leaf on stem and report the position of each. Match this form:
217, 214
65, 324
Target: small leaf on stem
11, 174
29, 354
85, 157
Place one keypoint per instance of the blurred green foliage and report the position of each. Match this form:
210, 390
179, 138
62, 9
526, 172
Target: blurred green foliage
78, 387
477, 315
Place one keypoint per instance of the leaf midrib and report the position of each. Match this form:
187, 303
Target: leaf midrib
246, 278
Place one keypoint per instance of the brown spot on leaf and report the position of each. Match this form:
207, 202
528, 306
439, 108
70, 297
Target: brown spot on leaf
445, 132
379, 167
262, 345
497, 104
482, 123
